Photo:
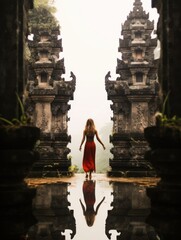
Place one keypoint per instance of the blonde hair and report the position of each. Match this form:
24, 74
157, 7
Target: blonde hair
90, 218
90, 126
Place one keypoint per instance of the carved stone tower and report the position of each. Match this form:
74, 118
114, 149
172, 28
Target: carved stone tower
47, 104
134, 95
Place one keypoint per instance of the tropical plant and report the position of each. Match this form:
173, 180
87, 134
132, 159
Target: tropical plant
163, 120
21, 121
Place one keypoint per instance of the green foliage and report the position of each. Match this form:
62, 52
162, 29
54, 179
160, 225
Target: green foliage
73, 169
163, 120
164, 103
41, 17
46, 4
23, 119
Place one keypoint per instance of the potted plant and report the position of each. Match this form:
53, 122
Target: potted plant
165, 149
18, 133
165, 143
167, 131
18, 139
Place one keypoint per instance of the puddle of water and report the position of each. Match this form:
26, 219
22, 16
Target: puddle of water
101, 209
90, 223
91, 209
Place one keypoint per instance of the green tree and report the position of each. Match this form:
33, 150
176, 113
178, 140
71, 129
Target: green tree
46, 4
42, 16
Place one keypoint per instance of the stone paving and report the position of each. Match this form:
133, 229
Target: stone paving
80, 177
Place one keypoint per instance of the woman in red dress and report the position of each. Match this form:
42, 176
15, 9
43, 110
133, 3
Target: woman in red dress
90, 147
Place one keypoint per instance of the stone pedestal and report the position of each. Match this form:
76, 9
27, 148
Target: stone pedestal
165, 216
17, 157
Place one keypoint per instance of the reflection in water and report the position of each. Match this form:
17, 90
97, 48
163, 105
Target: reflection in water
52, 212
90, 198
125, 212
15, 211
121, 210
131, 206
96, 194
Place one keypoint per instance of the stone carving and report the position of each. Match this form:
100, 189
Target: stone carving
59, 124
139, 120
134, 94
44, 122
49, 95
60, 108
72, 75
153, 108
108, 75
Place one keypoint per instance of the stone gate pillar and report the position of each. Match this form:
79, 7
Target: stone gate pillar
47, 104
134, 95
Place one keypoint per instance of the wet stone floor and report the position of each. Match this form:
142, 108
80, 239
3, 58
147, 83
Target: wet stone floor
102, 208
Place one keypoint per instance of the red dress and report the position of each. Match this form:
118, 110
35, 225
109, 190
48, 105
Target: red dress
89, 154
89, 194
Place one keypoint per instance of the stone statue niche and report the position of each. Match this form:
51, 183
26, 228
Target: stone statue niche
47, 103
134, 95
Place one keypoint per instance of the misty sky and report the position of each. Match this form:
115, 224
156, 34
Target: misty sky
90, 32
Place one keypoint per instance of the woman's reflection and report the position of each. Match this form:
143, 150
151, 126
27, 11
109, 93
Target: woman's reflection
88, 189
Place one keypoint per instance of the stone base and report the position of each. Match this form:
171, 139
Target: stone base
50, 168
44, 174
165, 215
16, 210
129, 173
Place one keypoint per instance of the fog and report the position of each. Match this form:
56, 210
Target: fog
90, 32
